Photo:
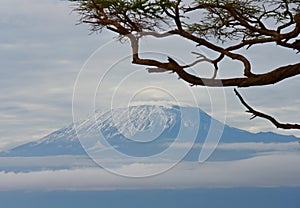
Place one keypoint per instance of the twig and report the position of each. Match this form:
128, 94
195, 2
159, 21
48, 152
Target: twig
256, 113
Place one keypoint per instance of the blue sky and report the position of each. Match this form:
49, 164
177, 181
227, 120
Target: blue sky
42, 50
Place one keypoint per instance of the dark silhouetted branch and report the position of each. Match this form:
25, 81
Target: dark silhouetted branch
256, 113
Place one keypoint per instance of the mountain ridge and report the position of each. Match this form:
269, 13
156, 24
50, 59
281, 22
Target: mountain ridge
120, 124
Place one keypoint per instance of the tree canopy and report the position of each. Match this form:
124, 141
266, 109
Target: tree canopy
222, 26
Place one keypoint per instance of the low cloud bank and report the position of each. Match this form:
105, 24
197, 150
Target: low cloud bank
256, 146
261, 171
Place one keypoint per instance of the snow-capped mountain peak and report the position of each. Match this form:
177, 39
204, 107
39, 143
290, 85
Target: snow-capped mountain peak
138, 130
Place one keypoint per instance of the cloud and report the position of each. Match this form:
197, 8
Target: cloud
259, 146
256, 146
261, 171
41, 52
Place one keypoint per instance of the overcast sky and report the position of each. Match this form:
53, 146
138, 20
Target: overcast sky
42, 51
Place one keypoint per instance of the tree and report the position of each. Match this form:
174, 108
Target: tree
222, 26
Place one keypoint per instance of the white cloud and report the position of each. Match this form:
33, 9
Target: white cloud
259, 146
261, 171
256, 146
41, 52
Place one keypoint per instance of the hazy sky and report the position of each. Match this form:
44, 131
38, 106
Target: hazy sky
42, 51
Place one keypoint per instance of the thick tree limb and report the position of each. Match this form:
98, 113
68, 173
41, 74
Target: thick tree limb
269, 78
256, 113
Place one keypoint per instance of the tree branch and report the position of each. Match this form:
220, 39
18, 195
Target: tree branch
256, 113
234, 56
269, 78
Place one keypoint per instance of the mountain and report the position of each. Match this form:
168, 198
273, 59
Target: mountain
143, 131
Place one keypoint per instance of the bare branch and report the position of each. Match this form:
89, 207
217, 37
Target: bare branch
269, 78
234, 56
256, 113
200, 58
156, 70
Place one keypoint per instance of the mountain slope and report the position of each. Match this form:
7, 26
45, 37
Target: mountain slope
141, 131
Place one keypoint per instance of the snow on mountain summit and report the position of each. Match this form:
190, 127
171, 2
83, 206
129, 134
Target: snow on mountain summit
136, 119
139, 130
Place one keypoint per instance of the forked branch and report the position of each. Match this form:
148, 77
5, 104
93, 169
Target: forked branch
256, 113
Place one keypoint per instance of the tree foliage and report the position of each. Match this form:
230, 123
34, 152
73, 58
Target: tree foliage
222, 26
